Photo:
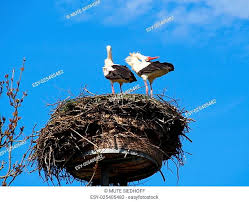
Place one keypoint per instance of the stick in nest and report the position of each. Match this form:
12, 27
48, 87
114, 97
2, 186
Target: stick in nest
84, 138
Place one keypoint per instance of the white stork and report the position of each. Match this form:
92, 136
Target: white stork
115, 72
148, 70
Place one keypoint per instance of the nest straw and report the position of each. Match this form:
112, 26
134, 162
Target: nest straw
89, 123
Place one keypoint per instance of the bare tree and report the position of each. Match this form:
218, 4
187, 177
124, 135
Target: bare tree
10, 131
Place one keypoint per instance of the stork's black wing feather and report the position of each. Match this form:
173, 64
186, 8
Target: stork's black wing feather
156, 66
121, 72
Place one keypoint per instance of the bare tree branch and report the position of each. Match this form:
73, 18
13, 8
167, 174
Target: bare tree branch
10, 133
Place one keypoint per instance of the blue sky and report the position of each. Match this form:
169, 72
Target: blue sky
207, 42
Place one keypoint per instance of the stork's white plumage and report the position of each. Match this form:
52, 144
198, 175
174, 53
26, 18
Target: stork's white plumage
115, 72
148, 70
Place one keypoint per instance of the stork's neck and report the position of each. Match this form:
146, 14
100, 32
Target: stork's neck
109, 54
108, 60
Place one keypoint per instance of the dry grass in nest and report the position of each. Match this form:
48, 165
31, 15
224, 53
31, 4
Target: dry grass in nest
89, 122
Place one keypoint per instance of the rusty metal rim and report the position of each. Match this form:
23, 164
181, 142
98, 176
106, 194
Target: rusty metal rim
122, 151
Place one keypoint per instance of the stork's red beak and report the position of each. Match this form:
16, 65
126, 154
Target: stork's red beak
152, 58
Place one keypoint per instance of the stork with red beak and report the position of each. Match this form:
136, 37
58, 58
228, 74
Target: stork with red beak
148, 70
115, 72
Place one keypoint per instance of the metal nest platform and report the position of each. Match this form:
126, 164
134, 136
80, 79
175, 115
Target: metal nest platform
116, 166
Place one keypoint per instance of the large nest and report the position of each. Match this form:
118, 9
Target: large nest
90, 122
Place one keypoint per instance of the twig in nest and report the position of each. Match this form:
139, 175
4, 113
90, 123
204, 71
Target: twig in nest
85, 89
84, 138
95, 169
58, 103
186, 137
162, 175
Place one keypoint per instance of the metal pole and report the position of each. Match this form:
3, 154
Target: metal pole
105, 169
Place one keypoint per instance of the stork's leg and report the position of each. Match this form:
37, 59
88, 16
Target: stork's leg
120, 85
151, 90
146, 87
113, 92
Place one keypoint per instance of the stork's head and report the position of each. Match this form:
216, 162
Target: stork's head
132, 59
108, 48
144, 58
